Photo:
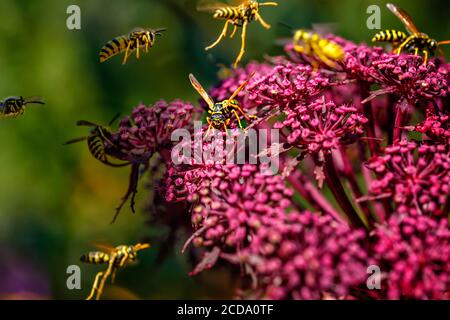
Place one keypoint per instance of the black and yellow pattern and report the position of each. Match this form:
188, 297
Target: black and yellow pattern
416, 42
317, 49
116, 258
96, 140
15, 106
237, 16
137, 39
113, 47
96, 257
393, 36
232, 13
220, 113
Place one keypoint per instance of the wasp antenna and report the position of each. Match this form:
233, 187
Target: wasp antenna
141, 246
285, 25
273, 4
158, 31
443, 42
86, 123
114, 119
75, 140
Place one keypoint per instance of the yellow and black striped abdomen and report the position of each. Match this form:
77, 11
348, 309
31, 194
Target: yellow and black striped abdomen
227, 13
389, 36
96, 145
96, 257
113, 47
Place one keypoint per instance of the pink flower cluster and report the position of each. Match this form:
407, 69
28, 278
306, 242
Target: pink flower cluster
286, 86
322, 126
436, 127
231, 202
416, 177
307, 256
408, 78
414, 254
292, 235
149, 129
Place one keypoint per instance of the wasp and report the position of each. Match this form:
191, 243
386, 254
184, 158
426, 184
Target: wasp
239, 16
317, 48
115, 258
137, 39
15, 106
96, 140
416, 41
220, 113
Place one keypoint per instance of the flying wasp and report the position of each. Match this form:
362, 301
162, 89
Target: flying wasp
137, 39
317, 48
239, 16
416, 41
96, 140
115, 258
15, 106
220, 113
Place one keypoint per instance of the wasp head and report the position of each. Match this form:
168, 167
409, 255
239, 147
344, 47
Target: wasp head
433, 44
132, 254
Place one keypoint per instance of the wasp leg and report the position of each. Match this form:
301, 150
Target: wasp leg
225, 126
105, 277
261, 20
121, 264
323, 57
247, 117
125, 58
221, 36
402, 45
416, 51
299, 48
238, 119
234, 31
137, 48
113, 275
425, 56
242, 51
131, 192
95, 285
209, 127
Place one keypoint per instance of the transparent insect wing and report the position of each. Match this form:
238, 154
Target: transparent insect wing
199, 88
211, 5
404, 18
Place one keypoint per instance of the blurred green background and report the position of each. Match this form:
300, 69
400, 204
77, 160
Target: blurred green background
55, 200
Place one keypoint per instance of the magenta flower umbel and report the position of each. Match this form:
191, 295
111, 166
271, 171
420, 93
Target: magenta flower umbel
307, 256
436, 127
416, 177
353, 189
149, 129
414, 254
407, 77
321, 126
286, 86
232, 202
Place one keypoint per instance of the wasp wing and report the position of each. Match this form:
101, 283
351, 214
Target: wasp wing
404, 18
211, 5
197, 86
105, 247
242, 86
35, 99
